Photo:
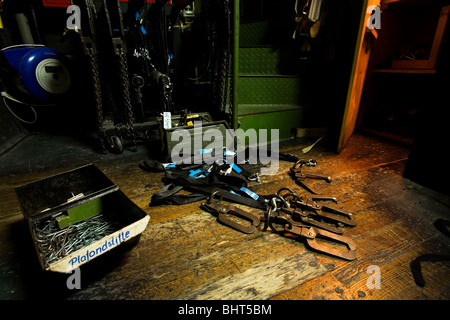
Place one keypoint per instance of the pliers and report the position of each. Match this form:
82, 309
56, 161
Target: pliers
281, 222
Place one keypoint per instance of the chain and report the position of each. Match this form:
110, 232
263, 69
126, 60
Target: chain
125, 86
109, 101
222, 82
167, 95
93, 63
229, 58
230, 102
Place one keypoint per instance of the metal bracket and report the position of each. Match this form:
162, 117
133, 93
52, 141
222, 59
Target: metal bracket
223, 211
282, 216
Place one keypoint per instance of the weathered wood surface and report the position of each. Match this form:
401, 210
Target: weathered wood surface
184, 253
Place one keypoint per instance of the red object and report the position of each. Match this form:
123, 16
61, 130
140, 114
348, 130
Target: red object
56, 3
66, 3
148, 1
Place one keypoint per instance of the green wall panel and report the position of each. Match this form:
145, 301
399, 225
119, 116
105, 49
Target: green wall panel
285, 121
273, 90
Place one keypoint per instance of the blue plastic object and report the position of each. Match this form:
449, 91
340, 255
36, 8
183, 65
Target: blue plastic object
42, 70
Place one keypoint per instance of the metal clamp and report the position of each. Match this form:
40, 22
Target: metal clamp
275, 216
298, 176
305, 206
223, 212
312, 233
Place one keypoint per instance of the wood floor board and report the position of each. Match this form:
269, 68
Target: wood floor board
196, 263
184, 253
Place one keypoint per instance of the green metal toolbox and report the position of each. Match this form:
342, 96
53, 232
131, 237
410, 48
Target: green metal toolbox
97, 217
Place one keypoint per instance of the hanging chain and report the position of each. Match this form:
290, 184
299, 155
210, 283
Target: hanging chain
93, 63
222, 50
228, 17
223, 81
125, 88
231, 86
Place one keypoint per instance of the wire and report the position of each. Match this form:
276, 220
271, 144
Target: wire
204, 72
6, 95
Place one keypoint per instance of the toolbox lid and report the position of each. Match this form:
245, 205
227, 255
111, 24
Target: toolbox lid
46, 197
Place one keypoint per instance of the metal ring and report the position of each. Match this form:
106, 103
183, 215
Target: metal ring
266, 223
276, 196
212, 196
284, 189
298, 162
